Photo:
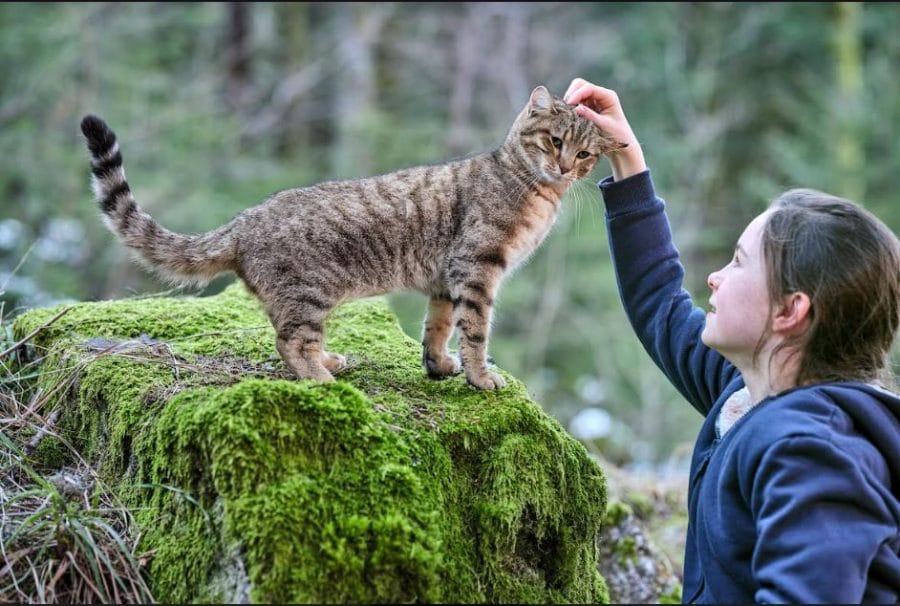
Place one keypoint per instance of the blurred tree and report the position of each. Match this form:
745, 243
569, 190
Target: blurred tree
237, 55
358, 30
848, 101
220, 104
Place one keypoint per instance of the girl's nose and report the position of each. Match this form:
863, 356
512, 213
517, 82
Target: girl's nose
713, 280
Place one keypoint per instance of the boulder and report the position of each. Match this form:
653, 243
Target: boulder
249, 485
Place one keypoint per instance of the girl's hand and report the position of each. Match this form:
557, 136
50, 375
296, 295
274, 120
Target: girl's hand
602, 107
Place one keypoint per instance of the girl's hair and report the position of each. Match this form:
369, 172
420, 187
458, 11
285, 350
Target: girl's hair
848, 263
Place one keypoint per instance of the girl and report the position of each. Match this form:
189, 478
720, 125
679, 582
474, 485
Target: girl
794, 492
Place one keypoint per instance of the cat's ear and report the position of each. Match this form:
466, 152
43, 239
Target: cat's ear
540, 100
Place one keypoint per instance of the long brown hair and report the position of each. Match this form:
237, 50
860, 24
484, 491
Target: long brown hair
848, 263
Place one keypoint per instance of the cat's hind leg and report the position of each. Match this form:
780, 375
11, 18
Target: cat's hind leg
334, 362
438, 362
300, 330
303, 356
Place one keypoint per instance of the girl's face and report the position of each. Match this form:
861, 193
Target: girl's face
739, 303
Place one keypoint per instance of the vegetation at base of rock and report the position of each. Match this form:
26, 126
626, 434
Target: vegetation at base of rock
672, 597
637, 553
382, 486
64, 537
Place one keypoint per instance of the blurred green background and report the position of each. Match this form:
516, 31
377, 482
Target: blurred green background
218, 105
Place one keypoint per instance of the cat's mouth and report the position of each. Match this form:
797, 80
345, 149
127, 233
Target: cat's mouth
554, 176
549, 177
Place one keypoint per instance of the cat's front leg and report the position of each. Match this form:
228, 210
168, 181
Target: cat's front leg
472, 301
438, 362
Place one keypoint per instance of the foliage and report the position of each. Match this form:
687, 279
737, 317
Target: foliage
65, 537
220, 104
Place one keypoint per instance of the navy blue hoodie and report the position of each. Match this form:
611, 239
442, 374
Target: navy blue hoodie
798, 501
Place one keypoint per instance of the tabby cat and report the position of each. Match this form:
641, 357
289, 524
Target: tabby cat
449, 230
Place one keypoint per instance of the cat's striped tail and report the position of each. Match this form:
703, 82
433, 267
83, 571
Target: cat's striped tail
180, 258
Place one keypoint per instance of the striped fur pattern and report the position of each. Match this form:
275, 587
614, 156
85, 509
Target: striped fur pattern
450, 231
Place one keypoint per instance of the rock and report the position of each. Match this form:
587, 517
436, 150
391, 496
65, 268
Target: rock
635, 570
642, 541
384, 486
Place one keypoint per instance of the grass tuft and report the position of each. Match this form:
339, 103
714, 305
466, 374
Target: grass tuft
64, 536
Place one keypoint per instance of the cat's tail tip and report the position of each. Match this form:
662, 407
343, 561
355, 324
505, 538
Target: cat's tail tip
100, 138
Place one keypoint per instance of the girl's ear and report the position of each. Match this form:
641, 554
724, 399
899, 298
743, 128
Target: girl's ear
793, 315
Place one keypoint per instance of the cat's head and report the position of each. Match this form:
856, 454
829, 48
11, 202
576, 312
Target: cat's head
559, 145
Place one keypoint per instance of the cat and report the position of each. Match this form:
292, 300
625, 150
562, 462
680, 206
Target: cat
450, 231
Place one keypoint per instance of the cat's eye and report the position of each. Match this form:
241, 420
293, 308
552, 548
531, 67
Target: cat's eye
557, 142
582, 155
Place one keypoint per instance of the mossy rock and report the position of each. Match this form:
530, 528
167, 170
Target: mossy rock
383, 486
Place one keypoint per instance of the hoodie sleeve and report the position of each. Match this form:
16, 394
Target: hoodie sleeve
650, 279
821, 524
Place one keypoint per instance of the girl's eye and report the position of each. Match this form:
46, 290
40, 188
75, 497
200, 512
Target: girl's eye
582, 155
557, 142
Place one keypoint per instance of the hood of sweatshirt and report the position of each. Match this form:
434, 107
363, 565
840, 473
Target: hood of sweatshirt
876, 417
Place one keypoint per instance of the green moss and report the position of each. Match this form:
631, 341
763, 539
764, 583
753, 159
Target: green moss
626, 550
616, 511
672, 597
233, 325
383, 486
51, 453
640, 503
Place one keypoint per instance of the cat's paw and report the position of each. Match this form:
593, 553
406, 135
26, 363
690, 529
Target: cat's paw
441, 366
487, 380
305, 368
319, 374
335, 363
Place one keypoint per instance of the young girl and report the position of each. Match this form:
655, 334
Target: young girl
794, 492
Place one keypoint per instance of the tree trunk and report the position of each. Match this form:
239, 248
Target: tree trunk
848, 102
237, 55
358, 33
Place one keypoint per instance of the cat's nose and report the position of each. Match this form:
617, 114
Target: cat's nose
563, 169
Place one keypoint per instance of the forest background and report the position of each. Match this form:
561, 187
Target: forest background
218, 105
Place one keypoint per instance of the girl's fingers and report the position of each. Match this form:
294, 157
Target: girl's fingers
575, 84
596, 97
604, 122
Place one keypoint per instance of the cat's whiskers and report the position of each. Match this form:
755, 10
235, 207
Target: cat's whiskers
528, 181
577, 191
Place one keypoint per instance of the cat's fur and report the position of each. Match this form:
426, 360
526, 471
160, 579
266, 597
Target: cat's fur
449, 230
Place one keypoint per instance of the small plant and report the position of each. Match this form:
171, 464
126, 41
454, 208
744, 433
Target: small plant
63, 536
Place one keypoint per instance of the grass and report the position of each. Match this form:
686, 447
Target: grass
64, 537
